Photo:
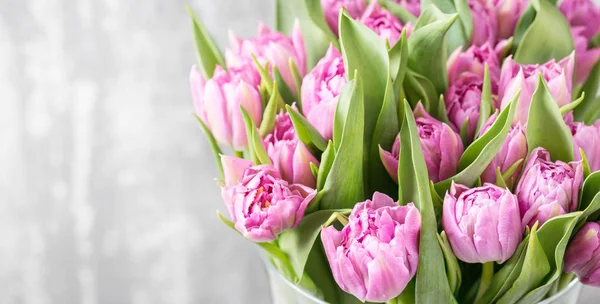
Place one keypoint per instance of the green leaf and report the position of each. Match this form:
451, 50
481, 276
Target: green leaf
486, 106
297, 82
298, 242
207, 52
572, 105
400, 12
442, 114
500, 182
585, 163
589, 191
508, 174
546, 127
432, 283
268, 119
317, 268
426, 44
255, 145
398, 62
457, 34
452, 267
305, 131
213, 144
344, 186
482, 151
326, 162
589, 108
419, 88
284, 90
547, 37
265, 76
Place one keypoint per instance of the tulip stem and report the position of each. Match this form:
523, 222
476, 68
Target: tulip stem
336, 216
238, 154
487, 274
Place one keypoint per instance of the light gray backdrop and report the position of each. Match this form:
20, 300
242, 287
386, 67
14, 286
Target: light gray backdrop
106, 182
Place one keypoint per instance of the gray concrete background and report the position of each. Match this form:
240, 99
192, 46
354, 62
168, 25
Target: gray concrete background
106, 182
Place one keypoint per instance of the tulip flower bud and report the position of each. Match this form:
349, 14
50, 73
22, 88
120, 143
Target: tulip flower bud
377, 253
384, 24
515, 77
321, 89
547, 189
473, 61
584, 13
463, 100
485, 26
331, 10
412, 6
442, 148
513, 149
583, 255
218, 101
587, 138
585, 59
270, 46
288, 154
260, 203
482, 224
508, 13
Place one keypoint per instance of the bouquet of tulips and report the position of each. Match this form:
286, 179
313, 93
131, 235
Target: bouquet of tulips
412, 152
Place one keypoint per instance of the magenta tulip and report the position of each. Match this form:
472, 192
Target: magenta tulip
516, 77
583, 13
331, 10
508, 13
384, 24
321, 89
585, 59
513, 150
218, 102
482, 224
463, 100
412, 6
260, 203
583, 255
442, 148
270, 46
473, 61
587, 138
547, 189
288, 154
377, 253
485, 26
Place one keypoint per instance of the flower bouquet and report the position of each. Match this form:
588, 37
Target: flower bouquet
412, 152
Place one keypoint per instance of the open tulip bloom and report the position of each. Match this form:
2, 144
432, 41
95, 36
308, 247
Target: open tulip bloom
396, 151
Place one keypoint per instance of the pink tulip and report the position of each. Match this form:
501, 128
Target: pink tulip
260, 203
412, 6
547, 189
442, 148
270, 46
513, 150
482, 224
585, 59
588, 139
485, 26
525, 77
384, 24
473, 60
583, 255
218, 102
508, 13
321, 89
584, 13
331, 10
377, 253
463, 100
288, 154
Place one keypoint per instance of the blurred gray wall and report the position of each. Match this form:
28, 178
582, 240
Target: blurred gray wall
106, 182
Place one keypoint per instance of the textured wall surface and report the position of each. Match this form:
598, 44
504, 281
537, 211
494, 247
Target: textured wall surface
106, 182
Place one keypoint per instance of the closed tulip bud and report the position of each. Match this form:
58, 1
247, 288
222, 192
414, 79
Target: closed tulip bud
463, 100
260, 203
513, 149
547, 189
442, 148
473, 61
482, 224
585, 59
377, 253
288, 154
270, 46
583, 255
587, 138
331, 10
485, 26
515, 77
508, 13
413, 6
584, 13
321, 89
384, 24
218, 100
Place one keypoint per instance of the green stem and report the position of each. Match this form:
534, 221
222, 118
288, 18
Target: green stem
565, 279
239, 154
487, 274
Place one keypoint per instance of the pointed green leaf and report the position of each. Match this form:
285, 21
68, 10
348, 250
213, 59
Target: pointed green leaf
306, 132
545, 125
419, 88
442, 114
572, 105
589, 190
326, 162
589, 108
452, 267
297, 82
213, 144
268, 119
399, 61
255, 145
486, 105
400, 12
207, 52
500, 179
457, 34
585, 163
284, 90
